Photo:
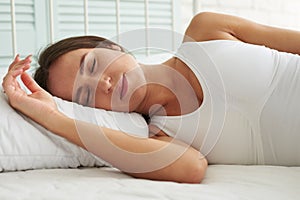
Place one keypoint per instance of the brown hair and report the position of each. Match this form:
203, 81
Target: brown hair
51, 53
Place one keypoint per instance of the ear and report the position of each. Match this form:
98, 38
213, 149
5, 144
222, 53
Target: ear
114, 47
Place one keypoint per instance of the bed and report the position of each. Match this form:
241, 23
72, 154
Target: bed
221, 182
57, 169
53, 168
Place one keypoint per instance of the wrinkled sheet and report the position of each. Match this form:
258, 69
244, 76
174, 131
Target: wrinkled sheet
221, 182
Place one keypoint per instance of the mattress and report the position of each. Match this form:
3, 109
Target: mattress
221, 182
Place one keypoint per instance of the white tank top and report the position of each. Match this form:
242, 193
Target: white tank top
250, 113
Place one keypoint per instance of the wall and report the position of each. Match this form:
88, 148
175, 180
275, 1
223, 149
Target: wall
282, 13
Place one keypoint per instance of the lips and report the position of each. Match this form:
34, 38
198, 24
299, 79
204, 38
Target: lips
124, 87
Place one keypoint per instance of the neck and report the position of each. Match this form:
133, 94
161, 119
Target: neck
158, 81
166, 86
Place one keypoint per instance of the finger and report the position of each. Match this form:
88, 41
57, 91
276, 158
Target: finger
16, 72
30, 83
13, 90
16, 60
20, 66
26, 67
26, 60
10, 79
13, 73
29, 57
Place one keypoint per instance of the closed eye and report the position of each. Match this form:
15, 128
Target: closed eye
83, 95
81, 65
88, 96
92, 68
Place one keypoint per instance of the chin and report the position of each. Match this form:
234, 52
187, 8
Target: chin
137, 99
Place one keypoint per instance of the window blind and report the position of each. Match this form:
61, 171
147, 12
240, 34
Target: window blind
25, 29
32, 21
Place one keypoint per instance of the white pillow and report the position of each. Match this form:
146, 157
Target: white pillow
26, 145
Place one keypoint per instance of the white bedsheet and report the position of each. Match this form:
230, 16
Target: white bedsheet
222, 182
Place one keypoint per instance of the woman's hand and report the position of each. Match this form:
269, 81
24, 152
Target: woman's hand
39, 105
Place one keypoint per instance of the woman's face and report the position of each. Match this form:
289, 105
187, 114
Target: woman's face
101, 78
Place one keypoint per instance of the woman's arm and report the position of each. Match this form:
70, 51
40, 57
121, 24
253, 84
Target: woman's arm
213, 26
159, 158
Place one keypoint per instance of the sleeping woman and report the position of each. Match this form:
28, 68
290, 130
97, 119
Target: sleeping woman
228, 96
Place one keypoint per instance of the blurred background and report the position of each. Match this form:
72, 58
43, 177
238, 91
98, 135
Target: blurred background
27, 26
282, 13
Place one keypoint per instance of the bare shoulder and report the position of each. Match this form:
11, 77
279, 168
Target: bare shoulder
210, 26
214, 26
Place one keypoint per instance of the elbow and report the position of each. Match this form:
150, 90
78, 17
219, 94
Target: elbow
186, 173
196, 173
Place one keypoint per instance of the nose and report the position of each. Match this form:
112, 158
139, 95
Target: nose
105, 84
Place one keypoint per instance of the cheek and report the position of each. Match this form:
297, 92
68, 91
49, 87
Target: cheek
102, 101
